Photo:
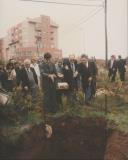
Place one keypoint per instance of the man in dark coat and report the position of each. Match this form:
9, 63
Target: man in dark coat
60, 79
68, 74
86, 71
18, 74
94, 73
48, 73
68, 77
112, 68
74, 69
29, 79
121, 67
3, 78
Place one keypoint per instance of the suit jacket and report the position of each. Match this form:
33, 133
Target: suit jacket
68, 73
121, 65
18, 74
47, 84
75, 65
114, 66
86, 72
25, 79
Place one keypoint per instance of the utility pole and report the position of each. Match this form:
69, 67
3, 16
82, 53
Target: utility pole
127, 26
106, 34
106, 51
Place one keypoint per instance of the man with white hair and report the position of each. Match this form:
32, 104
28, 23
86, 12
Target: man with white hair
29, 79
75, 77
35, 65
74, 69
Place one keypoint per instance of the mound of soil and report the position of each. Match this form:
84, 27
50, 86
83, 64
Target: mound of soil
117, 147
74, 138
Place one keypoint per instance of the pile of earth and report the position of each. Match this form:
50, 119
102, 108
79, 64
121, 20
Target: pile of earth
73, 138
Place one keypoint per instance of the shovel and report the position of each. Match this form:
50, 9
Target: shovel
48, 128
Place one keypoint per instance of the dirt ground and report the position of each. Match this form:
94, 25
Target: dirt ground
74, 138
117, 147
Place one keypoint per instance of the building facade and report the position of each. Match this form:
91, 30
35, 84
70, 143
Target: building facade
32, 37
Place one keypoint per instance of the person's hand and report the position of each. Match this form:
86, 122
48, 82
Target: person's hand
51, 76
66, 67
90, 78
26, 88
76, 74
60, 75
54, 75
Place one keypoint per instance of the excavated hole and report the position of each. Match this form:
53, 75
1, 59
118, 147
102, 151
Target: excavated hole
76, 138
73, 138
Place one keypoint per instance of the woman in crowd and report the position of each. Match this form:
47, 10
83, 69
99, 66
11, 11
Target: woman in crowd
11, 82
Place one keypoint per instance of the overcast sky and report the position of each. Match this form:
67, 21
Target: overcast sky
77, 33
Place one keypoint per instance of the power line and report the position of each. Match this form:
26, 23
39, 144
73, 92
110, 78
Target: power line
63, 3
75, 24
86, 20
127, 28
91, 16
106, 33
94, 0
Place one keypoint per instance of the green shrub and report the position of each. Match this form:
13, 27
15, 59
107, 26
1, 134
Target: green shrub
20, 107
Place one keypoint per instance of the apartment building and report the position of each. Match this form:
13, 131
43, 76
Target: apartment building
32, 37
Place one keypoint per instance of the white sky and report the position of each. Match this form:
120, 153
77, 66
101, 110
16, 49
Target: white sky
75, 37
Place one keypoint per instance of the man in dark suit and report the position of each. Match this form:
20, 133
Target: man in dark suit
112, 68
86, 70
49, 80
29, 79
68, 77
121, 63
94, 72
74, 69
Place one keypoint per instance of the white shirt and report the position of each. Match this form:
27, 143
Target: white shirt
111, 63
12, 75
73, 67
28, 69
36, 68
87, 64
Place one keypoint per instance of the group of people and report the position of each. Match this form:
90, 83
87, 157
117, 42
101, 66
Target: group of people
71, 72
46, 75
116, 65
